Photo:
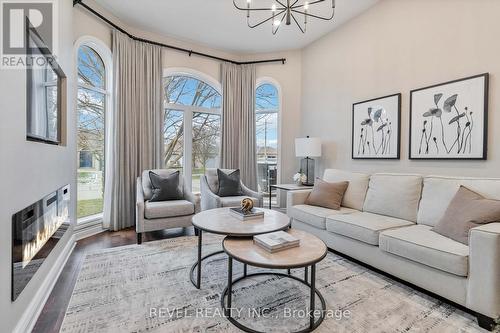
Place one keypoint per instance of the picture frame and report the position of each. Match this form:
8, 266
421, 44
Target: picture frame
449, 121
376, 128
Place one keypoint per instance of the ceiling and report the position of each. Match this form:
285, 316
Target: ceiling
216, 23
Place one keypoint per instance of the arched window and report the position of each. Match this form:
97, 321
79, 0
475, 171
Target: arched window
192, 124
267, 107
92, 105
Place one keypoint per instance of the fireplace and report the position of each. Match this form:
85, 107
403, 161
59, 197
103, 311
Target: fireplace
36, 230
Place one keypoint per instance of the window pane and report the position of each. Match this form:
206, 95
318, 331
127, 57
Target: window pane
90, 68
185, 90
266, 117
206, 143
90, 107
173, 139
266, 97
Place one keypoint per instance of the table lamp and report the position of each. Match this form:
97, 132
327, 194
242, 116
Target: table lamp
307, 148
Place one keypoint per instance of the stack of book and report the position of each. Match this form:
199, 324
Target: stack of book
276, 241
246, 215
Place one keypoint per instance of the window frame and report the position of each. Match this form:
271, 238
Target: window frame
188, 111
269, 80
105, 54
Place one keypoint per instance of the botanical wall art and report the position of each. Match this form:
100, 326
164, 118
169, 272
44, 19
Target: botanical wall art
449, 120
376, 128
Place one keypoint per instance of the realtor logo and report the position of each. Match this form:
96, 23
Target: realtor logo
17, 17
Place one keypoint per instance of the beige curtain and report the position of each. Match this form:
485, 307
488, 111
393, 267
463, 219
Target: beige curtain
136, 125
238, 121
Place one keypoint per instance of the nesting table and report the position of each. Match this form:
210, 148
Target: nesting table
311, 251
220, 221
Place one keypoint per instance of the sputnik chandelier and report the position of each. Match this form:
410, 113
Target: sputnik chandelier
280, 12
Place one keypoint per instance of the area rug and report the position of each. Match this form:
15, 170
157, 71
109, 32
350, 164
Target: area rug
146, 288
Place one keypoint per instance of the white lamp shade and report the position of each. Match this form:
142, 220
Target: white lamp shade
308, 147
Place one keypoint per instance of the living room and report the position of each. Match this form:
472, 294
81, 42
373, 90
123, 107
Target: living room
250, 166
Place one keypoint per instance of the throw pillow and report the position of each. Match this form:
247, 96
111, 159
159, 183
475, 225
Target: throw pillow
467, 210
229, 183
328, 195
165, 187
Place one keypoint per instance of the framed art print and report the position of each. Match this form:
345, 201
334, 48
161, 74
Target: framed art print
450, 120
376, 128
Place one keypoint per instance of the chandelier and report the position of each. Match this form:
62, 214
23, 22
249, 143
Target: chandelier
280, 12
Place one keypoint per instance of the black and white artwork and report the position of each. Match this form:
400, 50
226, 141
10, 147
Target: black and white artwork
376, 128
449, 120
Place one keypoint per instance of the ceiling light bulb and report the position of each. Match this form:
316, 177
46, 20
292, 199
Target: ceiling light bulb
276, 23
306, 5
273, 7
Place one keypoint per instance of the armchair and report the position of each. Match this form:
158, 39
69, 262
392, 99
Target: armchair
210, 187
158, 215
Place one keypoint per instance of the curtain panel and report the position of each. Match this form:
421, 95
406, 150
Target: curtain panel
136, 141
238, 147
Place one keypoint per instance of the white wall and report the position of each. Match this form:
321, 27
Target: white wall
31, 170
396, 46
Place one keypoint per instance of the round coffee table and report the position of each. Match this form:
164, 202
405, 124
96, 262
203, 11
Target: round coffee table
220, 221
310, 251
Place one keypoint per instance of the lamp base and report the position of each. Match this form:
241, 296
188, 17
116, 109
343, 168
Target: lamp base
307, 167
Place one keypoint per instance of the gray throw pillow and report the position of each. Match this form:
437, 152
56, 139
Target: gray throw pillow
467, 210
165, 188
229, 183
327, 195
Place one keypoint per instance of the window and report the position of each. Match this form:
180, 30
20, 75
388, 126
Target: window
91, 110
192, 125
266, 130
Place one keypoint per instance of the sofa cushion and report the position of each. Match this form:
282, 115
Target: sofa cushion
165, 187
419, 243
235, 201
395, 195
438, 191
147, 188
363, 226
467, 210
315, 215
172, 208
213, 179
354, 196
325, 194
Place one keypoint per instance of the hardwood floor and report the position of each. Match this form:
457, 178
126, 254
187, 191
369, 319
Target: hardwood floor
52, 315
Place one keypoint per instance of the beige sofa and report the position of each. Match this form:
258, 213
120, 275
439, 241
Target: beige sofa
386, 220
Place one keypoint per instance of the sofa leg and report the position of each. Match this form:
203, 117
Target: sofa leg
139, 238
485, 322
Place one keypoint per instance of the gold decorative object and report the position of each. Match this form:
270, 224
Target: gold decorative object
246, 205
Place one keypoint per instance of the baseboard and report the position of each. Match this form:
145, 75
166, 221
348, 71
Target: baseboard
30, 316
91, 230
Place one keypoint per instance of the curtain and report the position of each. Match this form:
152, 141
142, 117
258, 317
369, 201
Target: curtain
238, 121
136, 125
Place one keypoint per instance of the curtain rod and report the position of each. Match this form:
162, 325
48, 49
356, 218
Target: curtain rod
190, 52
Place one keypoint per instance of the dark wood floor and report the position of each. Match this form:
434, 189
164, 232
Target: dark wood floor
52, 315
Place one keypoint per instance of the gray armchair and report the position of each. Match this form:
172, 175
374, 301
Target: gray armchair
158, 215
210, 187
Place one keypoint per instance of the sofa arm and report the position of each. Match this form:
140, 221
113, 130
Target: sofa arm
191, 197
209, 200
139, 207
483, 289
250, 193
296, 198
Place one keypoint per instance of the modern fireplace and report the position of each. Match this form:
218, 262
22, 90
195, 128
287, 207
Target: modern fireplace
36, 230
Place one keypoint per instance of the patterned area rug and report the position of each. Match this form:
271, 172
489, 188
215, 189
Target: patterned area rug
146, 288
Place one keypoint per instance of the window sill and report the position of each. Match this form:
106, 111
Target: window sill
88, 220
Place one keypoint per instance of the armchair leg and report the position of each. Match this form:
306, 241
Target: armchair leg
485, 322
139, 238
